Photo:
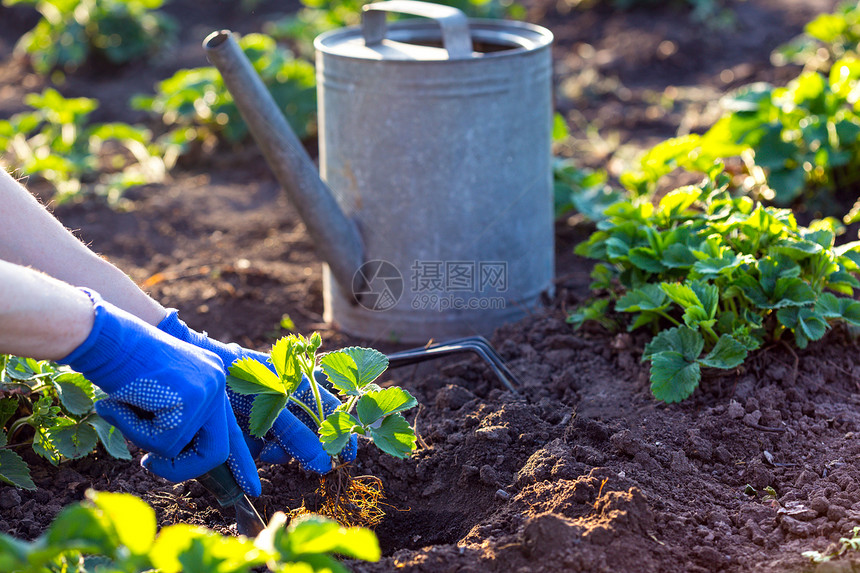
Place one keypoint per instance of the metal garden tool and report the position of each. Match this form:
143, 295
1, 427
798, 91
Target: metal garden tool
477, 344
436, 217
221, 483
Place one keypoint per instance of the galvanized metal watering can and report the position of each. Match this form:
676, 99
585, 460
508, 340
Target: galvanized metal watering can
435, 219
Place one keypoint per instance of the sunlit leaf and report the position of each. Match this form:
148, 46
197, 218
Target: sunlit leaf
264, 411
132, 519
335, 431
374, 405
394, 436
14, 471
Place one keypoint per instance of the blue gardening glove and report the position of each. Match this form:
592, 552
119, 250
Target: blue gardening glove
164, 395
293, 435
187, 466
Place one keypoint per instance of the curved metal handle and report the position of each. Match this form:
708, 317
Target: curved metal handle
456, 38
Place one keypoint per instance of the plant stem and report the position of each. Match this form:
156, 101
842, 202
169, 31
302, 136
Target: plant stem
17, 425
308, 410
350, 403
308, 365
669, 318
711, 334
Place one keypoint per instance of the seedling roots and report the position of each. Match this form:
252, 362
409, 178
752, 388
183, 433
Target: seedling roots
351, 501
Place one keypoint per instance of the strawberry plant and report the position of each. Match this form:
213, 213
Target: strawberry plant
54, 141
825, 39
351, 371
197, 108
72, 31
49, 407
798, 141
715, 276
118, 532
367, 410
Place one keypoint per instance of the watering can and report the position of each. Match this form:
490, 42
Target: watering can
432, 207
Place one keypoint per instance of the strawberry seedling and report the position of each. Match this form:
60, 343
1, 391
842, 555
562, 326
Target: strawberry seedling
367, 410
49, 407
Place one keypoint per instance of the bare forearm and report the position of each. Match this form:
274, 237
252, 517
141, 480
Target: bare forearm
30, 236
40, 317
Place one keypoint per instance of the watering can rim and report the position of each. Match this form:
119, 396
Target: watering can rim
502, 32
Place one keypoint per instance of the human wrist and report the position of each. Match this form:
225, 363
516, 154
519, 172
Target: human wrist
105, 354
176, 327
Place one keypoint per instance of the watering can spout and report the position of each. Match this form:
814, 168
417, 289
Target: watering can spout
335, 236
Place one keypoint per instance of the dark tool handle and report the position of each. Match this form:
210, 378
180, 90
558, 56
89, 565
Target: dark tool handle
221, 483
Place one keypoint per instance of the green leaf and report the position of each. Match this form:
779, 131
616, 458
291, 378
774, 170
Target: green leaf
681, 339
8, 407
132, 519
681, 294
14, 471
73, 439
828, 305
795, 249
14, 553
351, 369
806, 324
679, 200
712, 267
394, 436
75, 393
286, 363
335, 431
178, 546
648, 297
248, 376
842, 278
813, 326
646, 259
708, 295
596, 310
110, 437
82, 528
313, 534
374, 405
771, 269
673, 376
21, 369
727, 353
752, 291
792, 292
677, 256
696, 317
560, 131
850, 311
264, 411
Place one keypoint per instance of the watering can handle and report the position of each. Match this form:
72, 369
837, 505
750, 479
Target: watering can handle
455, 26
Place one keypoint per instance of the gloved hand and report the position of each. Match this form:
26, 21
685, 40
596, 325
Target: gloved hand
165, 396
293, 435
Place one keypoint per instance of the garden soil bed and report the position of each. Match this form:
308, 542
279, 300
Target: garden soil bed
581, 470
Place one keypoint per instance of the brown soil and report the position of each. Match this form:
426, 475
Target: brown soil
581, 470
